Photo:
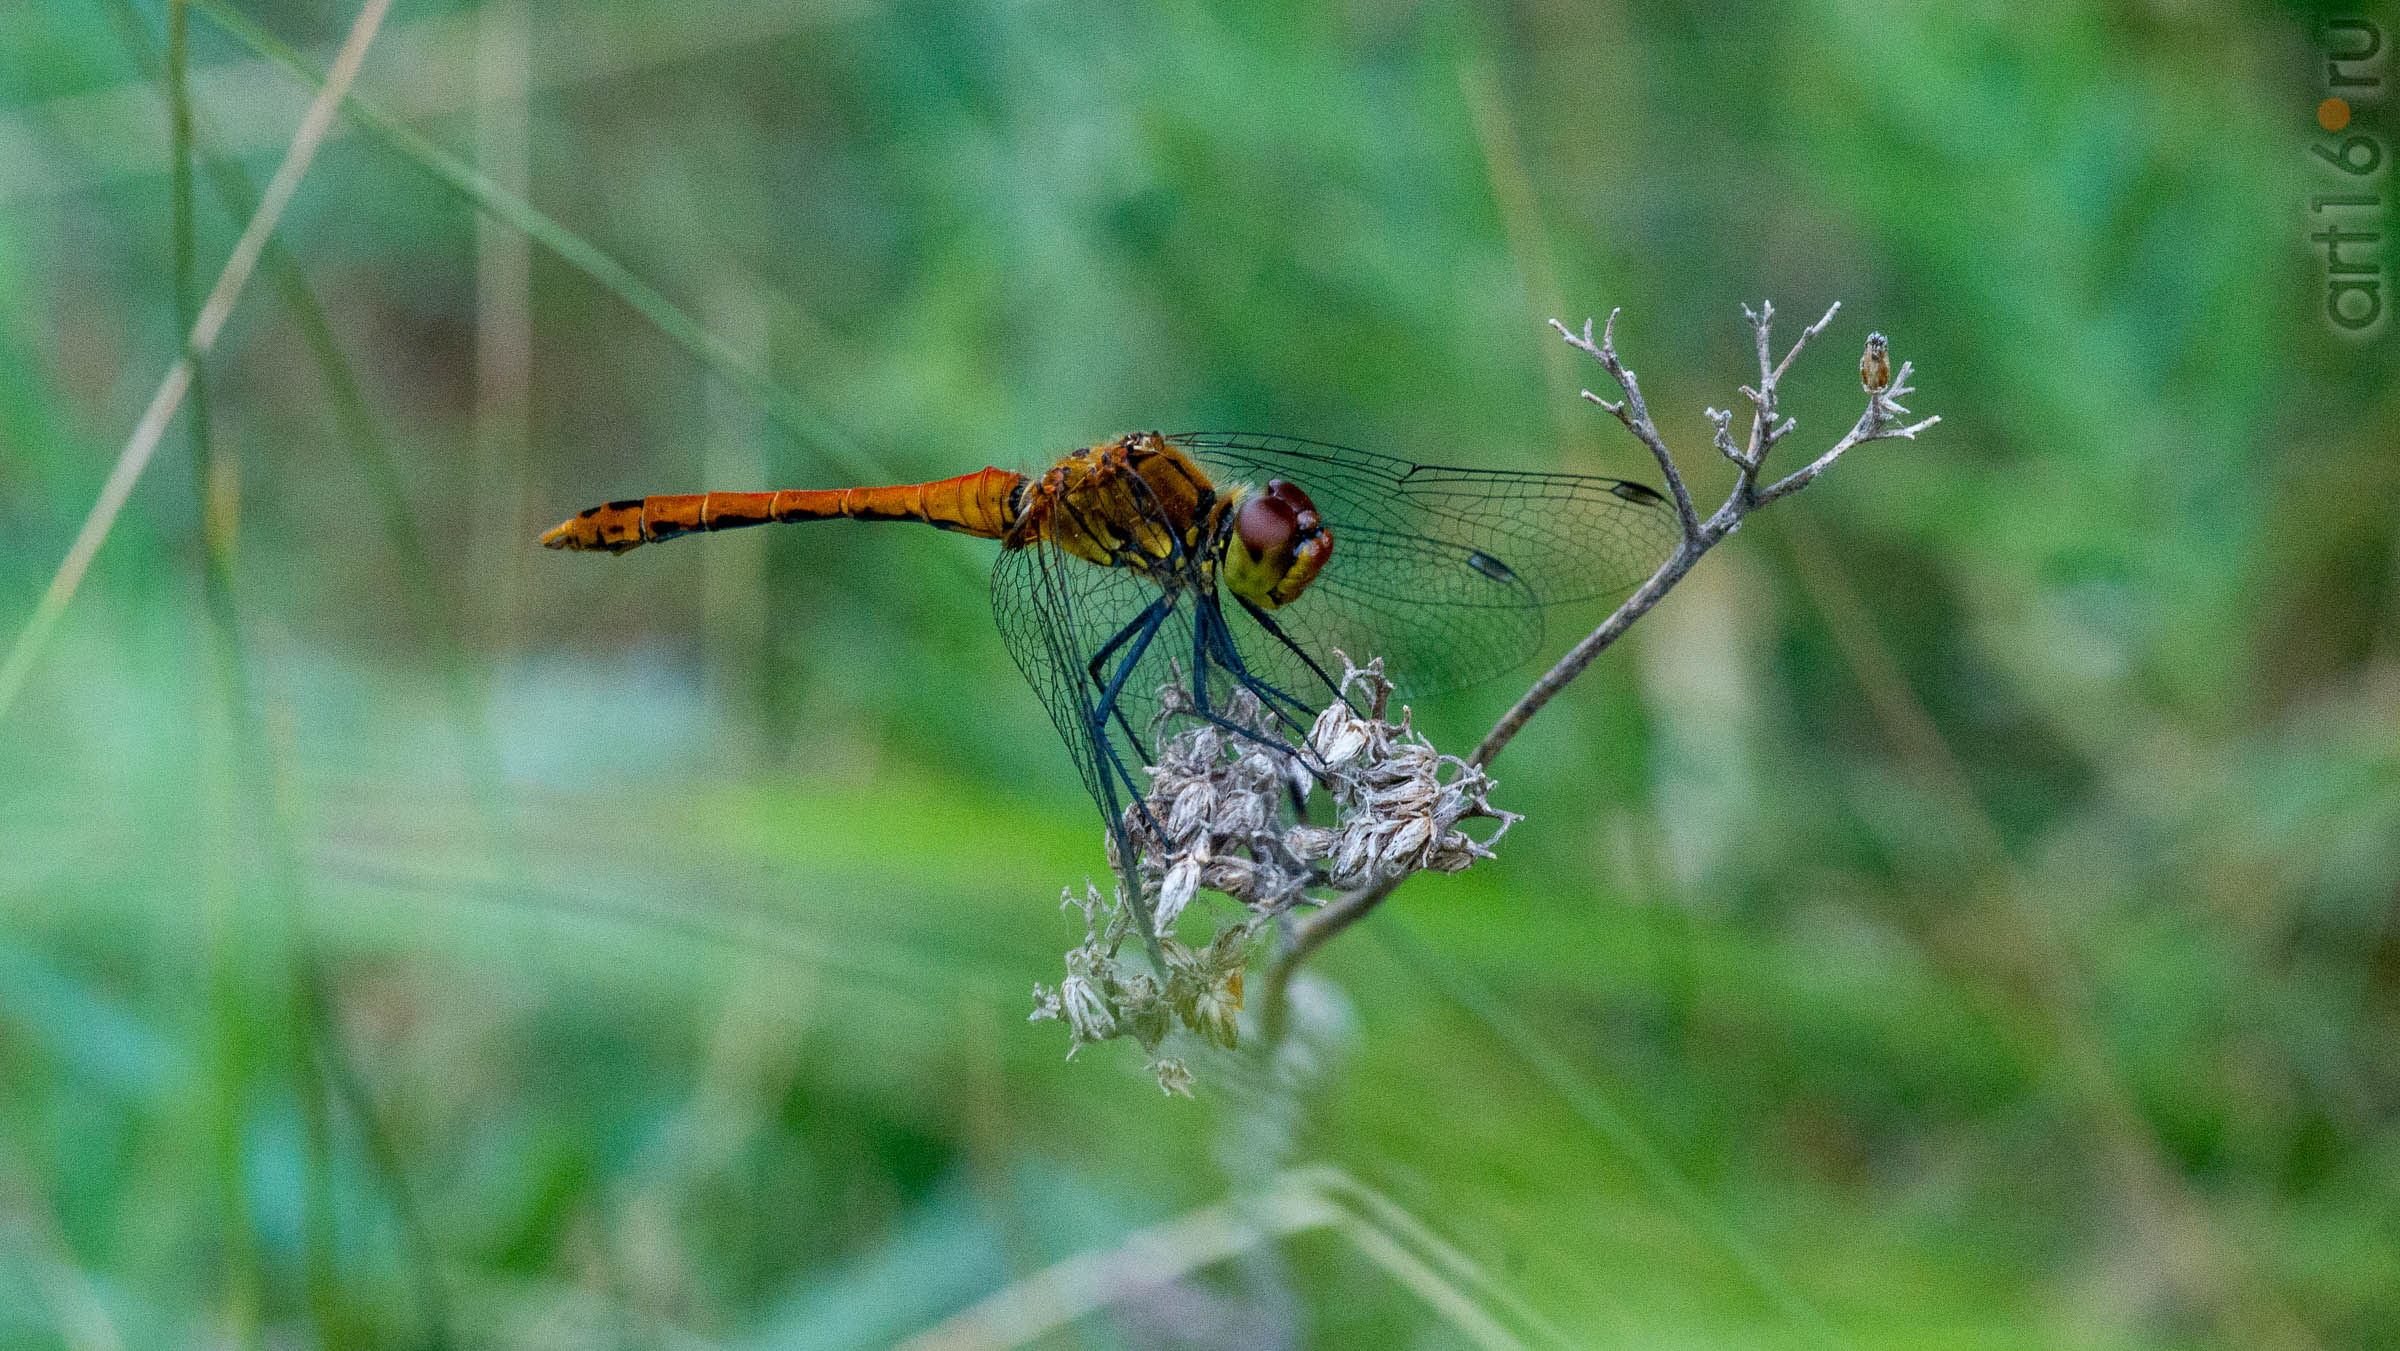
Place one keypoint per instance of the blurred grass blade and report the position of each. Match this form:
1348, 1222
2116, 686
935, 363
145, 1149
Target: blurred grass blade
46, 1261
370, 453
1067, 1290
262, 770
1412, 1270
1601, 1115
244, 1273
777, 403
1298, 1201
187, 281
1513, 193
336, 1069
203, 336
1372, 1209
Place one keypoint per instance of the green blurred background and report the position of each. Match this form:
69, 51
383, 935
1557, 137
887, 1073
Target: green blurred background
1963, 915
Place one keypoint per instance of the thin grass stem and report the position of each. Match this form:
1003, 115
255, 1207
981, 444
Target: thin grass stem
780, 405
235, 276
1591, 1103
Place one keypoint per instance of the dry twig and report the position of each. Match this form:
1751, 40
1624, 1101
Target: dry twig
1884, 419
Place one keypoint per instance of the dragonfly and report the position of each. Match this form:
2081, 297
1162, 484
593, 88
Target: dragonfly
1211, 562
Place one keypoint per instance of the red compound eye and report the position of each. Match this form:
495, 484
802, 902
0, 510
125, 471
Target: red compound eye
1266, 525
1288, 493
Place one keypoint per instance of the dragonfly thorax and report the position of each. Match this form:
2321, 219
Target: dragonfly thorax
1136, 503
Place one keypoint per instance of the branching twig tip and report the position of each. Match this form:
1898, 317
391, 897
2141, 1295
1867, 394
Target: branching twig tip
1617, 408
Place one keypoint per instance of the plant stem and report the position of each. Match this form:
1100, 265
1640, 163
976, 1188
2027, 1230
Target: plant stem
1880, 421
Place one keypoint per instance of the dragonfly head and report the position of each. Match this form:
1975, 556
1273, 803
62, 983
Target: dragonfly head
1276, 546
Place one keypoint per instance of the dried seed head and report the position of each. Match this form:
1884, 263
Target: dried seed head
1173, 1079
1212, 816
1339, 736
1875, 365
1087, 1012
1398, 800
1181, 883
1214, 1013
1220, 816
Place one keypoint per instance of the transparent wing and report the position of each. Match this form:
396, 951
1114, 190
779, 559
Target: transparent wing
1429, 641
1442, 572
1057, 613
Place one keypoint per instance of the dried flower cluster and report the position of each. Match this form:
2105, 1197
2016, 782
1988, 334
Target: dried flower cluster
1216, 816
1103, 995
1223, 814
1397, 800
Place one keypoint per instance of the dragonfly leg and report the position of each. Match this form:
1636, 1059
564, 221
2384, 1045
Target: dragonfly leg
1274, 630
1151, 616
1280, 702
1204, 655
1123, 635
1135, 638
1212, 644
1299, 719
1113, 771
1139, 632
1200, 661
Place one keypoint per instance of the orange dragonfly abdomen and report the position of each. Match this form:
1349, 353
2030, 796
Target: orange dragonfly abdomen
985, 503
